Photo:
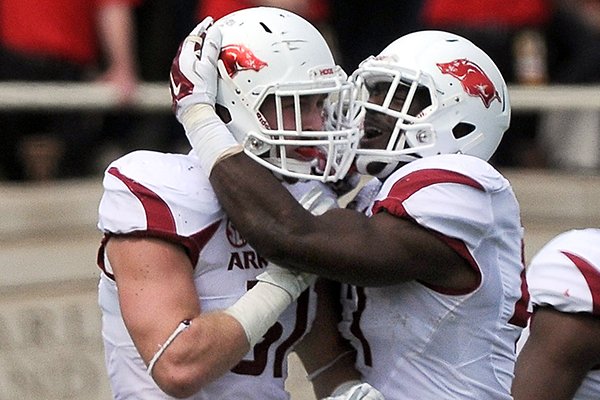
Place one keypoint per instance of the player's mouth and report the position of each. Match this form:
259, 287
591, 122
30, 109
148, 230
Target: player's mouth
373, 136
372, 132
313, 155
306, 153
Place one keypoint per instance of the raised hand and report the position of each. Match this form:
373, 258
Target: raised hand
194, 78
194, 68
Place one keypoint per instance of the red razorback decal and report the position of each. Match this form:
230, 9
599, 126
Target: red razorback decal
472, 78
237, 57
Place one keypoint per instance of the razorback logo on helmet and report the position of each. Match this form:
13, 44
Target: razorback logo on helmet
237, 57
472, 78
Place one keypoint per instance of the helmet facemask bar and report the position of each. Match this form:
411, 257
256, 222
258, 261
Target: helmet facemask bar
269, 52
332, 147
412, 131
468, 111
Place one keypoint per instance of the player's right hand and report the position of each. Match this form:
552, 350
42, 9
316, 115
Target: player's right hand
193, 77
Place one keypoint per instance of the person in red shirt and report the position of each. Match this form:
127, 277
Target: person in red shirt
316, 11
60, 40
512, 32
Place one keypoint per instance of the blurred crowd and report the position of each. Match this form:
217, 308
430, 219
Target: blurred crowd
125, 42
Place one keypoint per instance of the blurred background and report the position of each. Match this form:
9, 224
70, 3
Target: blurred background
83, 82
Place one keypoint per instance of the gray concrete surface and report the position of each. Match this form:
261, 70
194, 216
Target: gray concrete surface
50, 345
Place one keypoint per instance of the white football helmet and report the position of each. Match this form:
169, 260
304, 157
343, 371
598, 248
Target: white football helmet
268, 51
467, 112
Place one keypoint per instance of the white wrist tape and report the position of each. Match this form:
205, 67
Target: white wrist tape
294, 283
208, 135
259, 308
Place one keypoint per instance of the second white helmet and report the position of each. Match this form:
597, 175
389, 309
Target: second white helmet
468, 109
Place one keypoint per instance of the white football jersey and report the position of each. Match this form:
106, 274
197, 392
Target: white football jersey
565, 274
420, 342
168, 196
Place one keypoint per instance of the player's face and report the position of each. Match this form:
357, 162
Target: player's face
312, 110
378, 126
312, 116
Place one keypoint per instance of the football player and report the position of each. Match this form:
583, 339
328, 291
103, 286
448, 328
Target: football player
561, 356
172, 260
438, 296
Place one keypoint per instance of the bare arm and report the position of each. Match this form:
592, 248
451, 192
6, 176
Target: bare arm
117, 34
156, 293
324, 352
560, 351
342, 245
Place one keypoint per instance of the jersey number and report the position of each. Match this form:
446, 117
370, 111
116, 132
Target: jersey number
261, 350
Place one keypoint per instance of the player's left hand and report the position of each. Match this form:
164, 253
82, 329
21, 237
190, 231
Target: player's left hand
194, 68
358, 391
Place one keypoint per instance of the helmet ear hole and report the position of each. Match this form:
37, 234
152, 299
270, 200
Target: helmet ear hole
462, 129
223, 113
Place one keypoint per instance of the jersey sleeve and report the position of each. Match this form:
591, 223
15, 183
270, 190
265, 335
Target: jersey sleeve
462, 200
156, 194
565, 273
457, 200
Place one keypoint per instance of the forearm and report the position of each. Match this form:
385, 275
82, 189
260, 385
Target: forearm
212, 344
282, 231
340, 370
541, 385
256, 202
327, 357
116, 33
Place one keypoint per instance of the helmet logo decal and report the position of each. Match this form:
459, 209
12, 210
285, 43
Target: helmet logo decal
472, 78
237, 57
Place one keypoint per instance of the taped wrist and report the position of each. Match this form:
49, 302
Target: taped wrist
208, 135
294, 283
259, 308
